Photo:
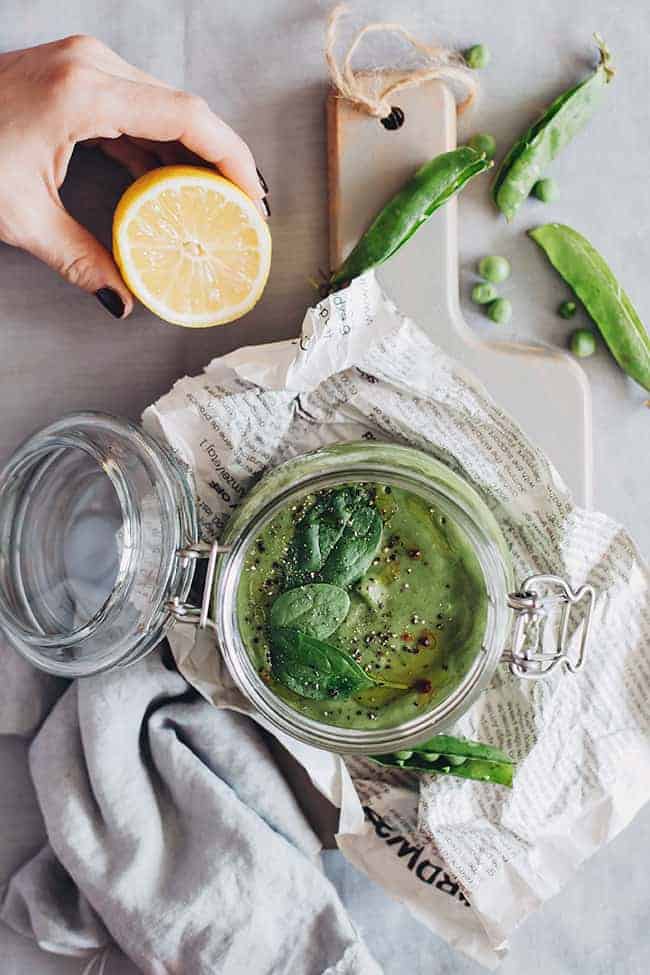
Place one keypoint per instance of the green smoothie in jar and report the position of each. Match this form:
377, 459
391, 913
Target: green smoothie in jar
362, 605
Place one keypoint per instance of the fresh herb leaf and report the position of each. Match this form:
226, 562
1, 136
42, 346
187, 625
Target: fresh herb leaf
352, 555
317, 609
318, 531
336, 540
446, 755
318, 670
314, 669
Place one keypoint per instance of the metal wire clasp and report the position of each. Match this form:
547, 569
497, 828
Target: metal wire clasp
533, 606
186, 612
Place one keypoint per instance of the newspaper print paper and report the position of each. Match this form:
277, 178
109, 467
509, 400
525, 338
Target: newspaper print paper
472, 861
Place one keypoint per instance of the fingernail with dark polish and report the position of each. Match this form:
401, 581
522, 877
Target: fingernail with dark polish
263, 183
265, 206
111, 301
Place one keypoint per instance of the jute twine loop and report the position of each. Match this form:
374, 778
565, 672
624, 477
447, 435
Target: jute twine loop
440, 64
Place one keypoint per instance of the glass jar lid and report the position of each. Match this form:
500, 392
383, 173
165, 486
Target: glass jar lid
93, 513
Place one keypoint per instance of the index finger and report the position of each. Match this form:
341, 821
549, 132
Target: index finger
164, 115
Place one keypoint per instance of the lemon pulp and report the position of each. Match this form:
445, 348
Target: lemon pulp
191, 246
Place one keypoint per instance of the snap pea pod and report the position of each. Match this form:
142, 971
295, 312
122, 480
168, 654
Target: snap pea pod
446, 755
530, 156
584, 270
427, 190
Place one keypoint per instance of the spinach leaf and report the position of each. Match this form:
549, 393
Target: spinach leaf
336, 540
317, 609
318, 670
313, 668
446, 755
352, 555
319, 530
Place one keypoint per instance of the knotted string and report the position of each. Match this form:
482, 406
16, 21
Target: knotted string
440, 64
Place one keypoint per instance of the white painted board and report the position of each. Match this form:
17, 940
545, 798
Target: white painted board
542, 387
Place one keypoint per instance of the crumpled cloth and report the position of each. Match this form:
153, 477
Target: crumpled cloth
171, 831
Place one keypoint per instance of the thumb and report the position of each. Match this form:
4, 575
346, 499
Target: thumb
70, 249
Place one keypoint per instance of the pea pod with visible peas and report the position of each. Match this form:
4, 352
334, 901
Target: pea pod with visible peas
447, 755
584, 270
431, 187
530, 156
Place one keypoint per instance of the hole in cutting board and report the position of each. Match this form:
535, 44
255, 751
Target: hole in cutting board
395, 120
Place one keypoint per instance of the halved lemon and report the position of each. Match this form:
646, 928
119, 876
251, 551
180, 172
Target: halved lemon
191, 246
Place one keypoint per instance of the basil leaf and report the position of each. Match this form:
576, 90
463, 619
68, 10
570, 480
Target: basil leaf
317, 609
336, 540
313, 668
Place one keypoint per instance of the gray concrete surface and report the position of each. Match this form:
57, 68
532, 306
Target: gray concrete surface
261, 67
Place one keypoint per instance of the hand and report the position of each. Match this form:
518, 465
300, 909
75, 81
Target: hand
75, 90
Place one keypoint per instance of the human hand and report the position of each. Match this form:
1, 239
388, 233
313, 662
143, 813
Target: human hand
78, 90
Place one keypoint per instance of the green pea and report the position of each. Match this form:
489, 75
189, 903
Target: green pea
403, 756
484, 142
582, 343
567, 309
482, 294
546, 190
500, 311
478, 56
495, 269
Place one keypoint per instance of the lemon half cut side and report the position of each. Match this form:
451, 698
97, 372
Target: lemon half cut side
191, 246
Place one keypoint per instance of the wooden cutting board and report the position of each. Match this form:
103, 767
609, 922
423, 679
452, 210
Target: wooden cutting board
543, 388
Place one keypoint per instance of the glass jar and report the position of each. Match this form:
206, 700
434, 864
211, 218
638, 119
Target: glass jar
421, 474
93, 516
98, 541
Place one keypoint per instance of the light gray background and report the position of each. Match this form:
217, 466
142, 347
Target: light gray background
261, 67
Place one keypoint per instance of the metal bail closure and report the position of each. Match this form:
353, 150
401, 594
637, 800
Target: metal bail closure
542, 601
186, 612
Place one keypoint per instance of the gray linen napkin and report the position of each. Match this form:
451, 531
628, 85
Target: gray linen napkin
171, 831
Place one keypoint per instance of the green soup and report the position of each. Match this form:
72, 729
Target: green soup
417, 615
